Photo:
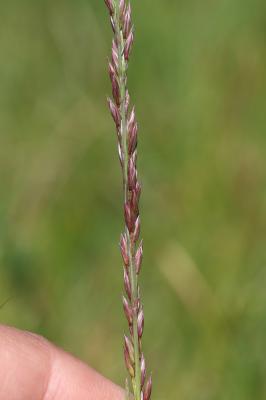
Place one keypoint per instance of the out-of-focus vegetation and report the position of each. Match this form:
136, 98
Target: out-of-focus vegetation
198, 79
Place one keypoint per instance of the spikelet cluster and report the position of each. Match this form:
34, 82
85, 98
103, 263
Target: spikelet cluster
131, 247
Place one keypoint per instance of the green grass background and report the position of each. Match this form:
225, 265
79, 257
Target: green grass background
198, 79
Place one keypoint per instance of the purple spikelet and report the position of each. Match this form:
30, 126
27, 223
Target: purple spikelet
124, 117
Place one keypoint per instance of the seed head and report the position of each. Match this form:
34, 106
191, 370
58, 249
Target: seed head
140, 322
122, 5
138, 258
134, 202
127, 101
136, 232
127, 135
112, 24
115, 112
128, 363
143, 370
132, 138
116, 90
132, 174
120, 153
123, 248
115, 55
127, 284
127, 310
111, 71
129, 217
127, 22
148, 389
110, 6
130, 348
128, 44
131, 120
138, 191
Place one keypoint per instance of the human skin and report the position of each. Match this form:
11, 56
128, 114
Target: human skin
32, 368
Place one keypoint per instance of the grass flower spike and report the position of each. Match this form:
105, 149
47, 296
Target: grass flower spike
131, 249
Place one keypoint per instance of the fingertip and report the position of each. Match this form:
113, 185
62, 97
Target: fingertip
31, 368
71, 378
24, 364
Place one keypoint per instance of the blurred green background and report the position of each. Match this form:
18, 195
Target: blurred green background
198, 79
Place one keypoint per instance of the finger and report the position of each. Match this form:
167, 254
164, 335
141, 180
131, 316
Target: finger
31, 368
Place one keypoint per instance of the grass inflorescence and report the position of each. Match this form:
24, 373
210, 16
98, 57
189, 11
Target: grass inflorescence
131, 246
